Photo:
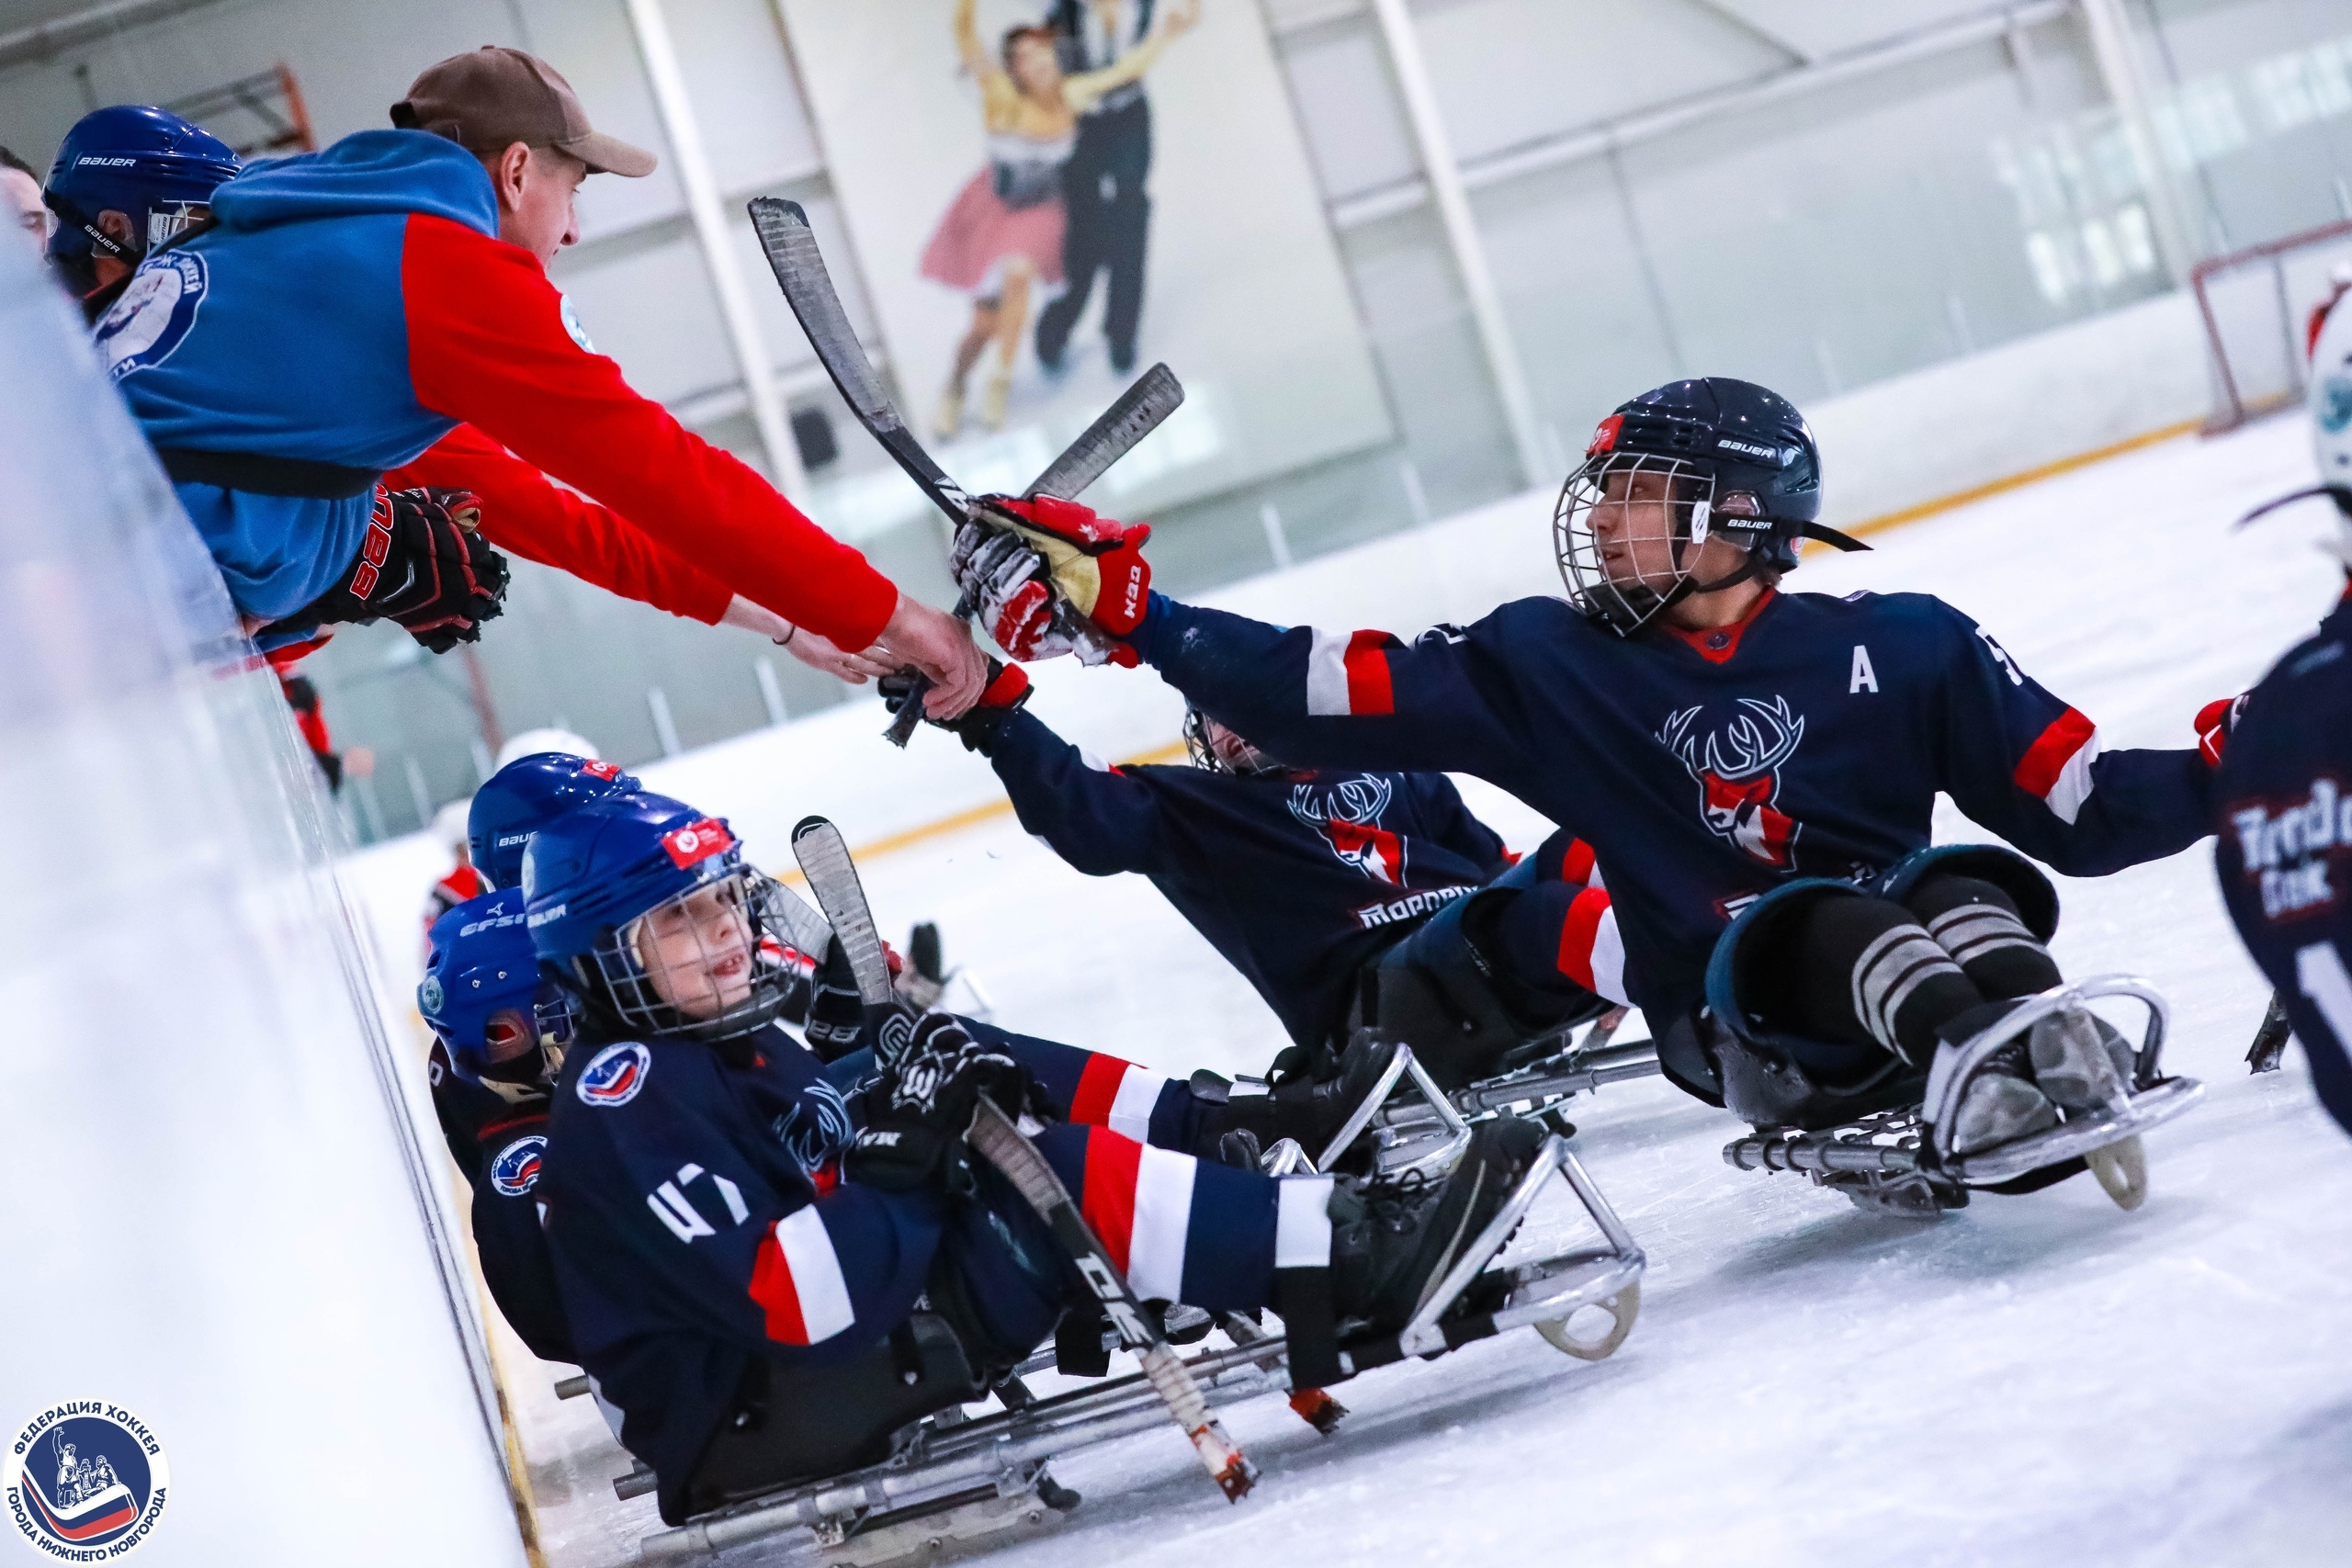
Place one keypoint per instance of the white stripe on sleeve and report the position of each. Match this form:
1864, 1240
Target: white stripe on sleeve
1163, 1213
2074, 784
1327, 675
816, 1273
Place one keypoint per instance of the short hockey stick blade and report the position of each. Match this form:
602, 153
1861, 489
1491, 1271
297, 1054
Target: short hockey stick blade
800, 269
2270, 1038
1139, 410
824, 860
1000, 1142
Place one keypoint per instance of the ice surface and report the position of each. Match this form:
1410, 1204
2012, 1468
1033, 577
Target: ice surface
2040, 1380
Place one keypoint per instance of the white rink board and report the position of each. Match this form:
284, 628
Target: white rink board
2042, 1381
213, 1217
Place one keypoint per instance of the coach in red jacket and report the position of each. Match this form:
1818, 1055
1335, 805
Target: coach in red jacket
352, 307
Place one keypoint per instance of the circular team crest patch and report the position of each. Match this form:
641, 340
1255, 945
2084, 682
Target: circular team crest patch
153, 315
615, 1074
515, 1169
85, 1482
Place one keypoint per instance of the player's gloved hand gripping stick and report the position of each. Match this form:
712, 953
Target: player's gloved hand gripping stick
808, 288
824, 859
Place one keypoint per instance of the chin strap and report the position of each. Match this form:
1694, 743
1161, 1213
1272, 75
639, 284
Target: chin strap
1830, 537
2340, 495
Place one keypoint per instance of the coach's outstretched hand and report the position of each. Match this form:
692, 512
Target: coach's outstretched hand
978, 725
1029, 567
942, 648
422, 563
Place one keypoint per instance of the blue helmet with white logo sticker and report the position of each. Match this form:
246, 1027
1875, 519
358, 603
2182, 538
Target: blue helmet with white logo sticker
646, 910
525, 796
149, 165
485, 998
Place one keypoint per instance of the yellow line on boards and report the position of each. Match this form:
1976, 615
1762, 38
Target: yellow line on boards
2018, 481
889, 843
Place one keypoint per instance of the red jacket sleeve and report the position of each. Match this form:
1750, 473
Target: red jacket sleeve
487, 344
527, 514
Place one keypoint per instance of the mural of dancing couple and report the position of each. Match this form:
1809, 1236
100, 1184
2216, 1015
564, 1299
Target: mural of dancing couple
1047, 195
1062, 197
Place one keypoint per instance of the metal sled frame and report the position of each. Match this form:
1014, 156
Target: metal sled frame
957, 1485
1887, 1161
1428, 1132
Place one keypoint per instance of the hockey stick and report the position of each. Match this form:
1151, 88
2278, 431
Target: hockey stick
799, 268
2270, 1038
1000, 1144
824, 859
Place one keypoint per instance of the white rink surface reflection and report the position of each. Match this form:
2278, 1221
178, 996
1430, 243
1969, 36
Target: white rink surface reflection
2033, 1381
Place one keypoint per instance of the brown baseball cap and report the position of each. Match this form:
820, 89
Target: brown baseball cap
493, 97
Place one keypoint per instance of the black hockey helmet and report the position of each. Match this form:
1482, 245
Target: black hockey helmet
1252, 763
1737, 460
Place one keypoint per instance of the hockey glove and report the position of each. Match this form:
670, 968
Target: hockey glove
2215, 720
422, 564
836, 1013
916, 1114
1007, 690
1028, 565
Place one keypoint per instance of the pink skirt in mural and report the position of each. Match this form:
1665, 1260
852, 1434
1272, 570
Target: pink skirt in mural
968, 250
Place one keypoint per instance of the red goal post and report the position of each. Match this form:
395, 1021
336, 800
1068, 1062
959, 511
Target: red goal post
2257, 304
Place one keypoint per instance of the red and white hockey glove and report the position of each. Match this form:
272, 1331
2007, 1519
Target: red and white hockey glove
1029, 565
2214, 722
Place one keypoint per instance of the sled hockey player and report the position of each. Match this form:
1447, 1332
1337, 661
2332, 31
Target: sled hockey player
2282, 818
1769, 760
1346, 899
769, 1278
499, 1033
437, 236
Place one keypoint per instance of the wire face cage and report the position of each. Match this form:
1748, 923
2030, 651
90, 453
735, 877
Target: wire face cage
706, 964
1248, 765
1627, 530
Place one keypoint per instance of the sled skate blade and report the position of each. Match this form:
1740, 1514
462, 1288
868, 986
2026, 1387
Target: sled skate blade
976, 1521
1551, 1289
2087, 1134
1622, 1308
2121, 1169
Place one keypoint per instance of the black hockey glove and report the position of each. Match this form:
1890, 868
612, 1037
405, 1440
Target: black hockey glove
916, 1114
836, 1014
978, 725
422, 564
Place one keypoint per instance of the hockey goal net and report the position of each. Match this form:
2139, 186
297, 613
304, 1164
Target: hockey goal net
2257, 305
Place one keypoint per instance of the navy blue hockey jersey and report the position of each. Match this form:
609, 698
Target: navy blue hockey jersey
2284, 845
696, 1222
1704, 768
1297, 879
501, 1146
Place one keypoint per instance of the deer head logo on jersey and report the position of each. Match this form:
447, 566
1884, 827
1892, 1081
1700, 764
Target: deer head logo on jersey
1739, 768
1348, 816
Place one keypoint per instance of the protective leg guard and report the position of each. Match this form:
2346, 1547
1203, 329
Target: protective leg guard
1440, 992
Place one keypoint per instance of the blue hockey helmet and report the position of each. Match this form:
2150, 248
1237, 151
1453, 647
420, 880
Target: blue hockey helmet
1724, 458
645, 909
525, 796
147, 164
484, 997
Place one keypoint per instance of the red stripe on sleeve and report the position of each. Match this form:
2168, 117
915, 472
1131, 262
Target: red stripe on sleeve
1367, 665
772, 1287
487, 344
1109, 1200
2048, 756
1576, 863
1098, 1088
1576, 936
